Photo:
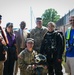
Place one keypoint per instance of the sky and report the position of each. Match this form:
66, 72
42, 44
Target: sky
16, 11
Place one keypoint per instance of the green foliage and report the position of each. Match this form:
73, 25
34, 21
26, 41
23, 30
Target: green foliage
50, 15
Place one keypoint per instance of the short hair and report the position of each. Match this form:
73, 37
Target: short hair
0, 17
52, 23
24, 23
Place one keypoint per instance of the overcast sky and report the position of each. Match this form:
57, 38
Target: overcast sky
16, 11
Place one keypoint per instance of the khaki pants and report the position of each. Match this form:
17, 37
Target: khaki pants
15, 68
1, 67
69, 66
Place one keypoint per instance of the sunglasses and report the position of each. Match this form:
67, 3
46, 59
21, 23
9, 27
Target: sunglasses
71, 20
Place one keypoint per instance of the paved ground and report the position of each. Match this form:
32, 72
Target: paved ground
62, 70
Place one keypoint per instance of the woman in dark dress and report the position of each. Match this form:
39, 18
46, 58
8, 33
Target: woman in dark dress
12, 50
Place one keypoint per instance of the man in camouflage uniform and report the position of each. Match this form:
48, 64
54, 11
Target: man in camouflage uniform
37, 34
26, 58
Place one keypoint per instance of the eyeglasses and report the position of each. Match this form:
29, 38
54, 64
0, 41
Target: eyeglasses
71, 20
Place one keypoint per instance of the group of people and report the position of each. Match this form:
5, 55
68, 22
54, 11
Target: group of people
19, 49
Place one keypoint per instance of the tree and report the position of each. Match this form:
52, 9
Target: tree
50, 15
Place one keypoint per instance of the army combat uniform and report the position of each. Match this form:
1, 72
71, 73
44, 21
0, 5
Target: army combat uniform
37, 34
26, 58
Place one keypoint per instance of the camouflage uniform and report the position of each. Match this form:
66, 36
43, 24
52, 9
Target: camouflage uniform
26, 58
37, 34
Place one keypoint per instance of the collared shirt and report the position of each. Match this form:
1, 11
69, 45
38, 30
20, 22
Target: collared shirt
21, 32
11, 39
22, 38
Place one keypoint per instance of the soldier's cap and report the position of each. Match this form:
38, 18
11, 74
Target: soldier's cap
38, 19
9, 24
30, 40
0, 17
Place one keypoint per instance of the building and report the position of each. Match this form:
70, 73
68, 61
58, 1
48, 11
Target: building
63, 24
